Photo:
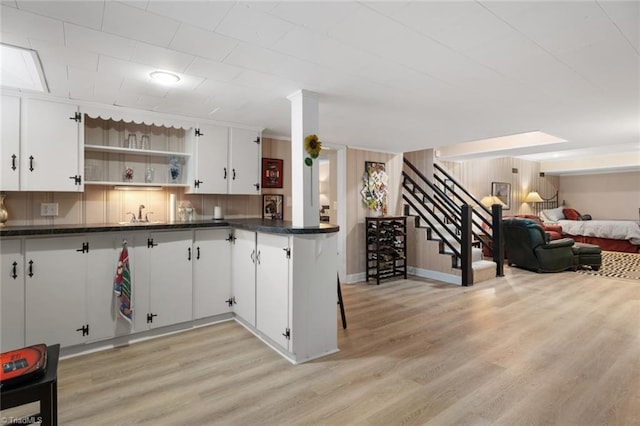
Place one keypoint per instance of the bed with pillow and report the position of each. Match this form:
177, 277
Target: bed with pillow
610, 235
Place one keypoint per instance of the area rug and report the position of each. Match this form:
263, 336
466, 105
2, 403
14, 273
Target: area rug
618, 265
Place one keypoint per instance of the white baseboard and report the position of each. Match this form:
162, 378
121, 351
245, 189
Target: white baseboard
354, 278
435, 275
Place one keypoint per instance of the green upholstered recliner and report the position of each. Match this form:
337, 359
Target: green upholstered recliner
527, 247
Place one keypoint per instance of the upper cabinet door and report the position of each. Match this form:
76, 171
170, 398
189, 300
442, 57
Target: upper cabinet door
50, 155
10, 143
211, 172
244, 161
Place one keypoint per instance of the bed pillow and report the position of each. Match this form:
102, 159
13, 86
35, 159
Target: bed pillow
571, 214
552, 215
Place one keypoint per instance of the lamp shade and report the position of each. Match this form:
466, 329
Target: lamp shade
490, 200
533, 197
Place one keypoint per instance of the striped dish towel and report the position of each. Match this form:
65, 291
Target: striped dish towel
122, 284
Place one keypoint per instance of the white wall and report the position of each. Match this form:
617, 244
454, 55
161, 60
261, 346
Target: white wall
603, 196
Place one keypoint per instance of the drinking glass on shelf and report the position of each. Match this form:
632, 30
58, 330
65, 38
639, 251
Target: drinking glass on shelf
132, 141
148, 177
145, 142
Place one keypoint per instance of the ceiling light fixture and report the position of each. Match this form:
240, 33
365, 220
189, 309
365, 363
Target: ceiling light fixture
164, 77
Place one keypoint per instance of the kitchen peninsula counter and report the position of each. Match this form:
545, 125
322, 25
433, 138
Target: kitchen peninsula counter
258, 225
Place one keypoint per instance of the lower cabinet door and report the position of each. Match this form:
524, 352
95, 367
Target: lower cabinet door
211, 273
272, 288
11, 296
55, 296
243, 275
170, 278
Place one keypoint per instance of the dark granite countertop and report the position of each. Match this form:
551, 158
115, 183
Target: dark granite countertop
259, 225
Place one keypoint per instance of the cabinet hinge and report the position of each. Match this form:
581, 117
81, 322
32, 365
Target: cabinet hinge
257, 140
231, 239
287, 334
199, 133
288, 251
150, 318
230, 301
257, 185
196, 183
84, 249
84, 329
150, 243
77, 117
77, 179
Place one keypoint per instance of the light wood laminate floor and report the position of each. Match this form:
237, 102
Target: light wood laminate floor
529, 349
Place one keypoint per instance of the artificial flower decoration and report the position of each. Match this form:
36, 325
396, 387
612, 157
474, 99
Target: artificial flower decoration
375, 187
128, 174
313, 145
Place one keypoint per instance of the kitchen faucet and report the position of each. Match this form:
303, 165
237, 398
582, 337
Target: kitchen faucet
140, 212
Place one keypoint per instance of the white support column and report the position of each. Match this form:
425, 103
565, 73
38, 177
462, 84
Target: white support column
305, 193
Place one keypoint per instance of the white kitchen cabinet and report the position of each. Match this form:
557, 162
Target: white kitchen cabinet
211, 273
244, 162
227, 161
209, 169
50, 152
243, 275
55, 291
10, 143
170, 278
272, 288
11, 295
295, 291
102, 303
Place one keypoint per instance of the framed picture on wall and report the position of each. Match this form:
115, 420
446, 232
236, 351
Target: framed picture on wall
502, 190
272, 206
272, 173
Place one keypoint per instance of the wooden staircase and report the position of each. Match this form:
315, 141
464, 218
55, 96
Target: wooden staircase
443, 237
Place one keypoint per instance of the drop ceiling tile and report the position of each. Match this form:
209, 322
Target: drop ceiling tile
606, 65
146, 88
212, 69
15, 40
138, 4
206, 15
159, 57
270, 61
29, 25
249, 25
402, 78
137, 24
625, 15
312, 47
51, 53
97, 41
458, 25
133, 100
83, 13
317, 16
264, 82
199, 42
557, 26
123, 69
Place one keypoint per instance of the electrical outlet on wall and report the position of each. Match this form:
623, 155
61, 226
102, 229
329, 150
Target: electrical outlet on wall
48, 209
